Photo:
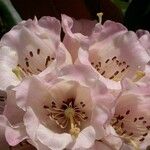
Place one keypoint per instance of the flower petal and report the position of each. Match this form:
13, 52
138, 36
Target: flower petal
35, 42
13, 113
13, 134
8, 61
76, 33
53, 140
118, 57
86, 136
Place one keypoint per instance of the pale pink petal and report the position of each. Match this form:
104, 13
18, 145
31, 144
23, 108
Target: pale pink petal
85, 139
28, 94
76, 33
112, 138
133, 106
80, 73
12, 111
83, 95
98, 121
62, 91
53, 140
120, 57
13, 134
83, 58
8, 61
35, 42
31, 123
63, 58
108, 30
104, 108
144, 38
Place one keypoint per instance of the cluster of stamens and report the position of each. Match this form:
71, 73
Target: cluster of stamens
111, 68
67, 116
121, 124
28, 68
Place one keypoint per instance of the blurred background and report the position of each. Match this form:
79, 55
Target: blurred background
134, 14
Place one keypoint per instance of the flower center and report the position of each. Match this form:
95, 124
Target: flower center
35, 61
68, 115
111, 68
133, 130
114, 69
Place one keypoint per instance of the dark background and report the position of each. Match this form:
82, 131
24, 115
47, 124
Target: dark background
136, 16
74, 8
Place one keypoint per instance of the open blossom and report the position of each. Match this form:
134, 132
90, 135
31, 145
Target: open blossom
130, 125
112, 51
29, 48
58, 110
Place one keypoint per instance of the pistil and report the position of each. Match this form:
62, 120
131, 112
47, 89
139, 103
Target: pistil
74, 130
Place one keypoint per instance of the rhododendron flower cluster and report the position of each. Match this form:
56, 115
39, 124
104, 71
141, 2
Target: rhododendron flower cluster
89, 90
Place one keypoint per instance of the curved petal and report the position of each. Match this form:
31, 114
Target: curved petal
135, 98
86, 136
35, 43
13, 134
13, 113
80, 73
144, 38
108, 30
119, 57
31, 123
83, 58
8, 61
76, 33
53, 140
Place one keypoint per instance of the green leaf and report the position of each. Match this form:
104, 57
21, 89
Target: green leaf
123, 5
8, 16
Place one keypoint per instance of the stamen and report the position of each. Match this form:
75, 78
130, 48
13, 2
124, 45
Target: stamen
31, 53
18, 72
111, 68
67, 113
138, 76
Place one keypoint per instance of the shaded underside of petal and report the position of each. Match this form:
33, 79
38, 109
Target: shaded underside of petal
13, 134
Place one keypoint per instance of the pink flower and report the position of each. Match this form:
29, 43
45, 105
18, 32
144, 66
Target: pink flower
112, 51
76, 34
130, 125
61, 109
29, 48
